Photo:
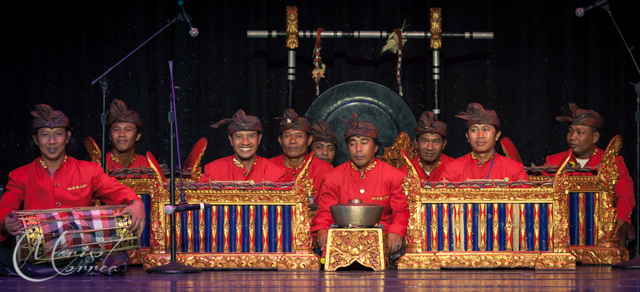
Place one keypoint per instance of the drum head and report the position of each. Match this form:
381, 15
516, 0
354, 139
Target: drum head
372, 102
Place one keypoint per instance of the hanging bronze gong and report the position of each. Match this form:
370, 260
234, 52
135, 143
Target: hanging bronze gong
372, 102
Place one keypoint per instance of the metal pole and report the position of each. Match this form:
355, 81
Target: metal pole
436, 78
103, 121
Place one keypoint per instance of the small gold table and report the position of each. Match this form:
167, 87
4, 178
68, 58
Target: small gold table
367, 246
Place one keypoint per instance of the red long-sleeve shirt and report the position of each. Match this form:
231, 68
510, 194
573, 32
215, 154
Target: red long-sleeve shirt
317, 171
624, 193
74, 184
466, 167
381, 185
435, 173
224, 169
113, 164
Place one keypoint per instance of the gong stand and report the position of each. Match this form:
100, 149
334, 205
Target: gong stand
435, 35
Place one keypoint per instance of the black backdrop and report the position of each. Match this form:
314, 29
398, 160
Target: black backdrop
542, 57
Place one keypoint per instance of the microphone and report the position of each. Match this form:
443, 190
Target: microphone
169, 209
184, 16
580, 11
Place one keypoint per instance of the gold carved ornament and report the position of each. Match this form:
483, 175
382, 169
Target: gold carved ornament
436, 28
93, 150
435, 261
195, 156
393, 155
292, 27
364, 245
303, 189
159, 197
416, 227
608, 177
561, 209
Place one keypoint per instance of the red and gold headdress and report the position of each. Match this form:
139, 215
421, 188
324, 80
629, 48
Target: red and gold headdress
359, 128
322, 132
584, 117
240, 122
290, 120
45, 116
428, 124
118, 113
476, 114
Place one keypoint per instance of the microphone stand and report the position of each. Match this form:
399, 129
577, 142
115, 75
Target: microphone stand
173, 267
633, 263
103, 120
103, 80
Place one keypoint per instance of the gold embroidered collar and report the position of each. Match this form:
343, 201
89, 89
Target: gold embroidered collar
574, 164
120, 162
240, 165
44, 165
480, 163
424, 169
370, 167
295, 168
595, 151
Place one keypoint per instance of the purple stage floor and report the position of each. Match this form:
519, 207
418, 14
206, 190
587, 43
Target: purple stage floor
589, 278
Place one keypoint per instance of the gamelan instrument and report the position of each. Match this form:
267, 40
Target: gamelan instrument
64, 234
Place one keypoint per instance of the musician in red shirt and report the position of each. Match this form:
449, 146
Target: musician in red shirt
295, 140
325, 142
367, 178
55, 180
483, 131
431, 138
582, 137
125, 128
245, 133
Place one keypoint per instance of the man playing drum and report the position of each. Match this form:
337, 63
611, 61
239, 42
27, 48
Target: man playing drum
55, 180
483, 131
325, 142
295, 140
582, 137
124, 132
245, 133
367, 178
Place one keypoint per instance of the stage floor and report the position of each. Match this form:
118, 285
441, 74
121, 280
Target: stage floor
590, 278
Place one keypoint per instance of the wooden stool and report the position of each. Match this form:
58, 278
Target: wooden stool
367, 246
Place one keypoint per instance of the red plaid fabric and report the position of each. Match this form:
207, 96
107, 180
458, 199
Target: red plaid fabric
87, 230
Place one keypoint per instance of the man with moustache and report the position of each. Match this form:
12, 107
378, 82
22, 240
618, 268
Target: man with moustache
431, 138
582, 137
295, 139
483, 131
124, 131
55, 180
325, 142
245, 133
367, 178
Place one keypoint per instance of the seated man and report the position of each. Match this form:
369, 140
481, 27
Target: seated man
245, 133
431, 138
55, 180
483, 131
124, 131
325, 142
295, 140
367, 178
582, 137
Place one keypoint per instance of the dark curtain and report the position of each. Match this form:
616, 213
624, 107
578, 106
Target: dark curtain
541, 58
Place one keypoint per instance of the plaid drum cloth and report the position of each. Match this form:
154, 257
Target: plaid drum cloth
64, 234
